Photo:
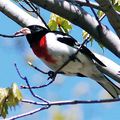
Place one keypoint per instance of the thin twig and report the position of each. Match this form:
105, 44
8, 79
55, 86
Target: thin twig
36, 68
41, 86
26, 80
49, 73
69, 102
92, 4
10, 36
28, 113
24, 7
32, 6
94, 14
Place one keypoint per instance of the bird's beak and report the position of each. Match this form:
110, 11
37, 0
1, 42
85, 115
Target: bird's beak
19, 33
23, 31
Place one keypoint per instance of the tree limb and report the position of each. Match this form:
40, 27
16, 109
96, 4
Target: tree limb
17, 14
112, 15
81, 18
92, 4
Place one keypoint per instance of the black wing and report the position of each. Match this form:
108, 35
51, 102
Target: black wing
69, 40
87, 52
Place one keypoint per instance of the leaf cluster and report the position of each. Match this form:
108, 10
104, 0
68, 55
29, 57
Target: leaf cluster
116, 4
9, 97
57, 22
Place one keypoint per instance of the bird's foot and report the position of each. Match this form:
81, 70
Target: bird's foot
51, 75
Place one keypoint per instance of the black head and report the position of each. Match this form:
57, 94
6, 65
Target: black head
33, 33
36, 33
37, 28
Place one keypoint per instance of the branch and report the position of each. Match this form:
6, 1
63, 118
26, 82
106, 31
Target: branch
81, 18
96, 17
10, 36
113, 16
84, 3
73, 102
69, 102
29, 87
17, 14
28, 113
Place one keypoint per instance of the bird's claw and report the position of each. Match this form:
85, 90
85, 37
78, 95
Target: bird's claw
51, 75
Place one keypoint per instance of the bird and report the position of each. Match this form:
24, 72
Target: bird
54, 48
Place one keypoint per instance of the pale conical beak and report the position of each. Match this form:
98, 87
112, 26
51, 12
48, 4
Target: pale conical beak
19, 33
23, 31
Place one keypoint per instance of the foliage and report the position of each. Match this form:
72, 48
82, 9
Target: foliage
116, 4
60, 23
101, 14
9, 97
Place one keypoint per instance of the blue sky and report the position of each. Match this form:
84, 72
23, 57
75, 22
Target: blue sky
65, 88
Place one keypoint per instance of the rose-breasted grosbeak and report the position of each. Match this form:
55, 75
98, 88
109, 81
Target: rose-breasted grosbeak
54, 48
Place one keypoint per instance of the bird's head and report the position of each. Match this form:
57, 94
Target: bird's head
33, 33
31, 30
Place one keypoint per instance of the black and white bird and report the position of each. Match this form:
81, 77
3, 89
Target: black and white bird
54, 48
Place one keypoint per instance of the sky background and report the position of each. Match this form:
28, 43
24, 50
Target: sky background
64, 88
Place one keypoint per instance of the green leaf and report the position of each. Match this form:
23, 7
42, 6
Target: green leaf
100, 13
84, 34
9, 97
4, 111
57, 22
116, 4
16, 92
52, 25
117, 7
115, 1
66, 26
91, 39
3, 106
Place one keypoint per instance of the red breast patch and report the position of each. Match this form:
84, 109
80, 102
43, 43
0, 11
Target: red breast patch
41, 51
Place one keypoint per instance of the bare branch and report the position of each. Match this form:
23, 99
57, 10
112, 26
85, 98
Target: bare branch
32, 6
113, 16
18, 15
28, 85
72, 102
10, 36
69, 102
28, 113
96, 17
84, 3
81, 18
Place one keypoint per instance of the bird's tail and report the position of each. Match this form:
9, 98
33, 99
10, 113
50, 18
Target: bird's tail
110, 87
